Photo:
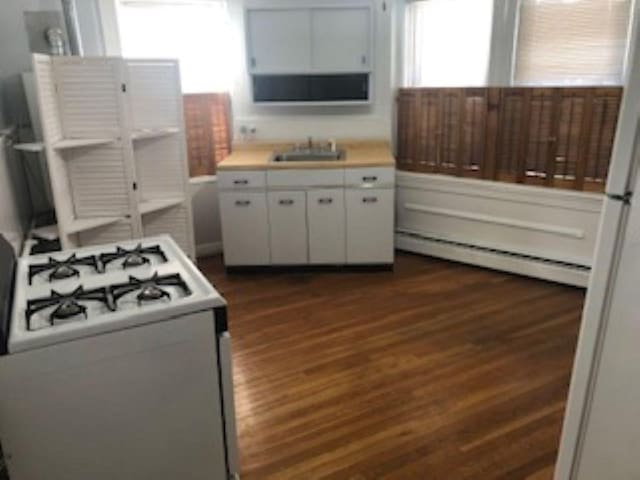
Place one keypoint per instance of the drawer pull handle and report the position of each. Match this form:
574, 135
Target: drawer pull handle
243, 203
371, 178
325, 201
285, 201
242, 181
369, 199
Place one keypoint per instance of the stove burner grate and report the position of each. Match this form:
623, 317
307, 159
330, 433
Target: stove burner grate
67, 305
150, 289
134, 257
61, 269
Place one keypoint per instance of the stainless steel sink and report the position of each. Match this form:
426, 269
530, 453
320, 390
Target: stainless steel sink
309, 155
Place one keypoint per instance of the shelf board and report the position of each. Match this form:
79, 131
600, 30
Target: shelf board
148, 206
34, 147
81, 142
83, 224
143, 133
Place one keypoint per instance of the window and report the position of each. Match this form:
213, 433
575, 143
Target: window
196, 32
447, 43
572, 42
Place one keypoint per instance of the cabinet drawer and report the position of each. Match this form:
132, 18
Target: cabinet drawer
288, 227
370, 226
327, 229
238, 180
245, 228
305, 178
376, 177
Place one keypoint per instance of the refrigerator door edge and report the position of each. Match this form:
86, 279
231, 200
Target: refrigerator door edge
624, 156
610, 237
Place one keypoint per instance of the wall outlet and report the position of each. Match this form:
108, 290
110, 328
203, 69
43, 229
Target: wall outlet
248, 132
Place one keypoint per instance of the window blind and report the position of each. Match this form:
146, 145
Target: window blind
571, 42
447, 43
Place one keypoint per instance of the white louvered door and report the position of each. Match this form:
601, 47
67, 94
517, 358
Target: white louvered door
116, 150
100, 177
157, 129
44, 77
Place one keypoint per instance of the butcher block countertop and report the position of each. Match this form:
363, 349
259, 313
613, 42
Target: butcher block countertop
256, 156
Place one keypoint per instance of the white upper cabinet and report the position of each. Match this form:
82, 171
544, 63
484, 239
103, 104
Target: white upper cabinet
278, 40
299, 40
341, 39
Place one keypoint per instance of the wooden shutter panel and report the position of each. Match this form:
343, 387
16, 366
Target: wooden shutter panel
513, 134
602, 129
474, 131
556, 137
207, 128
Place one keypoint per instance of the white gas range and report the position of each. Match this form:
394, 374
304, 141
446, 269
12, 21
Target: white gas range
117, 365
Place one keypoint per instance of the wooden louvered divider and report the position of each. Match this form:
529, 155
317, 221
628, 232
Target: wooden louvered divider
555, 137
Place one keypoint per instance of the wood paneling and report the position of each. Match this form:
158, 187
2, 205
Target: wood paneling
556, 137
207, 117
434, 371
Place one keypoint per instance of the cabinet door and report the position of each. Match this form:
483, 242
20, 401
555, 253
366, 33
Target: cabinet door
278, 40
327, 230
245, 228
341, 39
369, 225
288, 227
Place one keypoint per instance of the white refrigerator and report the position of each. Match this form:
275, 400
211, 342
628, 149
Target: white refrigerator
601, 431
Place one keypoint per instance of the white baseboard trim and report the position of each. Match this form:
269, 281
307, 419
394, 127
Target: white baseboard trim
208, 249
496, 260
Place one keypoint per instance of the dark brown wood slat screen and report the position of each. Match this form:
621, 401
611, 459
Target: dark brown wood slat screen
555, 137
207, 117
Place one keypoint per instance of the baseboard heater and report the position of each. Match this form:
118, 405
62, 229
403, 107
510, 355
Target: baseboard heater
514, 262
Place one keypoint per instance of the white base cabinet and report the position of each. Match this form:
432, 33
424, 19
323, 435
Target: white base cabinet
326, 218
369, 226
245, 235
288, 227
308, 217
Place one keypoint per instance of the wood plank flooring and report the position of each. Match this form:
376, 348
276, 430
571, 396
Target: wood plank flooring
434, 371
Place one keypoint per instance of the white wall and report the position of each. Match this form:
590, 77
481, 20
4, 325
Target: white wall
90, 28
503, 40
12, 211
14, 51
284, 123
15, 58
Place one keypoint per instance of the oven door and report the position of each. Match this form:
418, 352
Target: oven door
139, 403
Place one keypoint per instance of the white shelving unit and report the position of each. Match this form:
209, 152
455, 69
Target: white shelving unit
81, 142
34, 147
114, 138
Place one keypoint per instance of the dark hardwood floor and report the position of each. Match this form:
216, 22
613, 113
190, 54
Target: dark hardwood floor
434, 371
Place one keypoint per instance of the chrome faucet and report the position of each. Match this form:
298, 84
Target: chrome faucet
309, 146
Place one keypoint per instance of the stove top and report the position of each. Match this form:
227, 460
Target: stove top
87, 291
62, 268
